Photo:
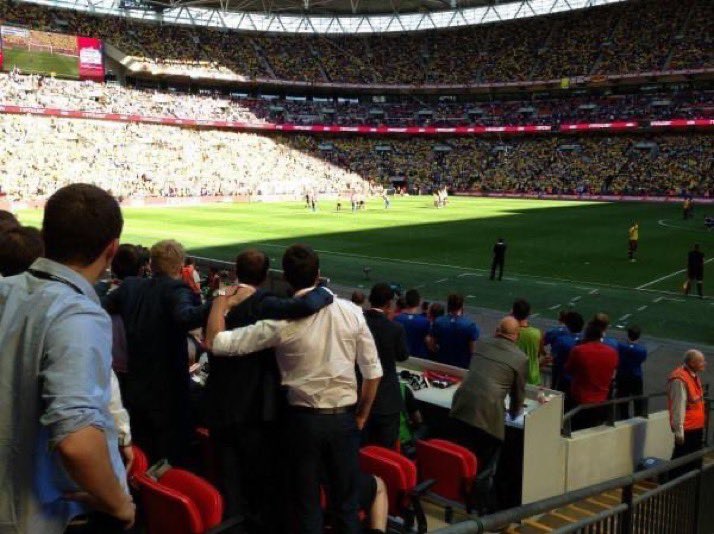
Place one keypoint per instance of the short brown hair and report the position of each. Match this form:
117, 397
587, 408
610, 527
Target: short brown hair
167, 257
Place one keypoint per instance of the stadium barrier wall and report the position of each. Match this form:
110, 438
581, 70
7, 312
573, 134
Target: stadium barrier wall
588, 197
367, 130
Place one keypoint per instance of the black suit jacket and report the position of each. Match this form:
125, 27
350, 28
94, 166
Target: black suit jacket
158, 313
246, 389
391, 342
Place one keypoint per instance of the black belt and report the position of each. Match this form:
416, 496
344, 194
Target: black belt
324, 411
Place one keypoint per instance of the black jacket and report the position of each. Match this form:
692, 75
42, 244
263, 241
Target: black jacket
158, 313
246, 389
391, 342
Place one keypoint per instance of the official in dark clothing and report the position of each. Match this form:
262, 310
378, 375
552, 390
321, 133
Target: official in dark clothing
158, 313
498, 368
382, 427
499, 258
695, 271
244, 404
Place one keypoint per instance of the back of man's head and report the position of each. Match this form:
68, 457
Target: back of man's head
19, 247
602, 320
696, 246
574, 322
381, 295
436, 310
593, 332
80, 222
634, 332
508, 328
454, 303
358, 298
301, 266
412, 298
7, 221
167, 258
521, 309
252, 267
126, 262
189, 261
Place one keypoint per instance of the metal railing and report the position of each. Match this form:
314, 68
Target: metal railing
611, 407
684, 505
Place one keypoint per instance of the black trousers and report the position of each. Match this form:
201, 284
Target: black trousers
251, 475
487, 449
589, 418
320, 442
382, 430
497, 263
693, 442
629, 386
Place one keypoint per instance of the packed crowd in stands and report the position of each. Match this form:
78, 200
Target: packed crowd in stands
37, 91
646, 36
40, 155
98, 379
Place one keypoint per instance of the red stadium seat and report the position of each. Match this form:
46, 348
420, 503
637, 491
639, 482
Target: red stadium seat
400, 477
179, 503
140, 465
454, 469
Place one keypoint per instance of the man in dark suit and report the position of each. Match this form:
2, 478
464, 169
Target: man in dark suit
695, 271
158, 313
382, 427
499, 259
244, 403
498, 368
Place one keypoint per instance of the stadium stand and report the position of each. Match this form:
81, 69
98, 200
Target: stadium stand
651, 35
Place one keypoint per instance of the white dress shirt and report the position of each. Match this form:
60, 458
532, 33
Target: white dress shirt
316, 355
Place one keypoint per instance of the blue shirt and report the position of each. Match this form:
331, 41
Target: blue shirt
611, 342
553, 334
417, 328
560, 349
55, 367
453, 334
632, 356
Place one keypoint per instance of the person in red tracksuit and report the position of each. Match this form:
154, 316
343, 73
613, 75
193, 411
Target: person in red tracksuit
591, 365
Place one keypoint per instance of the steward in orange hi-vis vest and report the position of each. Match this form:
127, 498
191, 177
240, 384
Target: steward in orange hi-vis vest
694, 415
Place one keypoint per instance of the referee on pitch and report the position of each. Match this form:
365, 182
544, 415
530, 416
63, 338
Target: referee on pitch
695, 271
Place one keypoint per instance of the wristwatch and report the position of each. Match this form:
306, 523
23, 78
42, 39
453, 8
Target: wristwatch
221, 292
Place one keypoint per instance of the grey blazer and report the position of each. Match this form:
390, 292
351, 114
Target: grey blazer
498, 368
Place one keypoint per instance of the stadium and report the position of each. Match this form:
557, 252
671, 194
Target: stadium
369, 266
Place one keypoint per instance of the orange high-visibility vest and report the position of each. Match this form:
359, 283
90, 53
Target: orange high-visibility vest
694, 415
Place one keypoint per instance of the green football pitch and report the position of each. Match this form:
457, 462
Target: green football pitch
560, 255
40, 62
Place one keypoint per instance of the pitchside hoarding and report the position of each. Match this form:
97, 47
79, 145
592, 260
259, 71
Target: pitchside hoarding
55, 54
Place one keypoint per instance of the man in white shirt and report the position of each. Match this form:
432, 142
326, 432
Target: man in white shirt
317, 357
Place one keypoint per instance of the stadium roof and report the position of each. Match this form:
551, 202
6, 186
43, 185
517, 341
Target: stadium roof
326, 16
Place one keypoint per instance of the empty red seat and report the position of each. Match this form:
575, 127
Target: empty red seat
179, 503
400, 477
452, 467
140, 464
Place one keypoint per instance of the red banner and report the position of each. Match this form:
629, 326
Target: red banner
91, 62
591, 126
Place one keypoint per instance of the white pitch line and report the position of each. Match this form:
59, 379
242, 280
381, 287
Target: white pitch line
554, 307
470, 296
625, 317
592, 292
658, 299
441, 280
469, 274
641, 308
534, 315
670, 275
546, 283
575, 299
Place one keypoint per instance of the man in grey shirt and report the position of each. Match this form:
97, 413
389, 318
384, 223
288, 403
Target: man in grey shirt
498, 368
59, 446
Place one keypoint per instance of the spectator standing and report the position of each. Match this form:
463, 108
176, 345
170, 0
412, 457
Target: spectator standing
498, 369
560, 350
453, 336
687, 410
58, 439
158, 313
190, 276
695, 271
591, 366
499, 259
316, 357
383, 424
415, 324
602, 320
244, 404
530, 340
629, 378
